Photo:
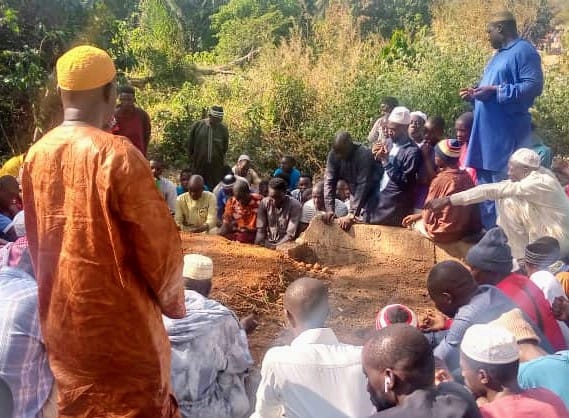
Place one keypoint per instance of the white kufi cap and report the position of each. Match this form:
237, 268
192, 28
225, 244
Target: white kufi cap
400, 115
19, 224
527, 157
490, 344
420, 114
197, 267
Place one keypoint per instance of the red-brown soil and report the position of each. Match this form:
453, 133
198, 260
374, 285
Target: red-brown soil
250, 279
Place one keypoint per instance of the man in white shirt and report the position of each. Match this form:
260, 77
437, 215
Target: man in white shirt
530, 205
166, 187
315, 376
317, 206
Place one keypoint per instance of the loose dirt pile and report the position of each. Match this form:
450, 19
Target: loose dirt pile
247, 278
250, 279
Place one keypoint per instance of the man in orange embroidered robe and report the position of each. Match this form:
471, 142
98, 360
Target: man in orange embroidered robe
106, 253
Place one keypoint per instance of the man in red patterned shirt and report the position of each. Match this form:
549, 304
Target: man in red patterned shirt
240, 214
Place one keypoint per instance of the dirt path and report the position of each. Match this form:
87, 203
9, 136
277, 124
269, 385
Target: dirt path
248, 278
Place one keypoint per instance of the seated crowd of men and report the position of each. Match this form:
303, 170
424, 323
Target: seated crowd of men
410, 176
99, 315
497, 346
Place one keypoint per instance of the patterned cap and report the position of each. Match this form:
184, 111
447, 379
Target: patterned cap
490, 344
197, 267
84, 68
420, 114
394, 314
400, 115
449, 148
216, 112
543, 252
526, 157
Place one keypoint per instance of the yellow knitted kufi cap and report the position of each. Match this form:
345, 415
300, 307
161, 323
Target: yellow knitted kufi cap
84, 68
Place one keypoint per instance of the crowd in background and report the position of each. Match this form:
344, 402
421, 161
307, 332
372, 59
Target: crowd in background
102, 315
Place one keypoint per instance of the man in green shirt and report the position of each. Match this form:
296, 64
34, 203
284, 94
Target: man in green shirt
209, 140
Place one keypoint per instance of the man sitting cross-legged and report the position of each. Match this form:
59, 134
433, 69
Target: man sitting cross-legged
278, 216
531, 205
537, 367
456, 294
317, 206
490, 262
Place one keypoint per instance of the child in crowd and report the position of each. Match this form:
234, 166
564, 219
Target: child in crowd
185, 175
304, 183
463, 127
434, 132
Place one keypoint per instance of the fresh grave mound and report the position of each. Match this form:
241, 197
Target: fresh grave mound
247, 278
250, 279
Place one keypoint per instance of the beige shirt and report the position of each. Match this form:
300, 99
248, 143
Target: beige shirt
193, 213
529, 209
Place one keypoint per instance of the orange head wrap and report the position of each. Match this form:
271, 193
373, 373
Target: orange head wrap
84, 68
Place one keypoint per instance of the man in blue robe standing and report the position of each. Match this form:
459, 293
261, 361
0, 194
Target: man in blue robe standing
502, 123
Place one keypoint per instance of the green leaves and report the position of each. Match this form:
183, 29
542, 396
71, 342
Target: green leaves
243, 25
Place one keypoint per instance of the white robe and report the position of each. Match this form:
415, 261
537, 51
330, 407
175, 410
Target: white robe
531, 208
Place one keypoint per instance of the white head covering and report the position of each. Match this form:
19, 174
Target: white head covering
526, 157
197, 267
420, 114
19, 224
244, 157
490, 344
400, 115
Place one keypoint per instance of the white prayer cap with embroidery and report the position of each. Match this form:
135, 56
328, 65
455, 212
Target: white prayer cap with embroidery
400, 115
420, 114
197, 267
490, 344
526, 157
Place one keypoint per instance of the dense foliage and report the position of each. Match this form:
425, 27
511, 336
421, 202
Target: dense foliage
290, 73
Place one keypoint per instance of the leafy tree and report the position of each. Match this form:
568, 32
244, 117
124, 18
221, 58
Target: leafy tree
243, 25
158, 44
34, 34
386, 16
195, 17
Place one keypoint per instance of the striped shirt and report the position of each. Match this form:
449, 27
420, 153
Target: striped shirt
23, 359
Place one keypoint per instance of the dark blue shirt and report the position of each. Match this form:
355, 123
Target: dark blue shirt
397, 199
502, 122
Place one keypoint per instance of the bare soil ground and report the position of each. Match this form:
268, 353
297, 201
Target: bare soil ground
252, 279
